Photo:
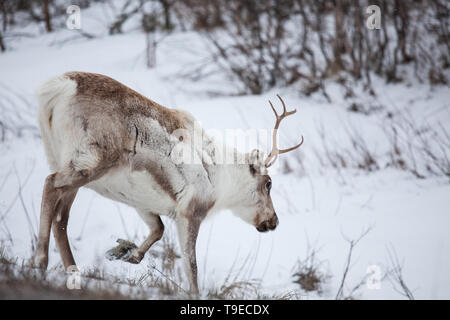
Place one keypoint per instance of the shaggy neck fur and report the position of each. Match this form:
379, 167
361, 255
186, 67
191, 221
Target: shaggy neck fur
231, 182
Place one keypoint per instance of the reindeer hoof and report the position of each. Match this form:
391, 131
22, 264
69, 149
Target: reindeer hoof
39, 261
134, 257
123, 251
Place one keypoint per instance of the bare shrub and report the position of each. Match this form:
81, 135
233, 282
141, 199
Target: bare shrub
352, 152
352, 244
251, 43
17, 118
18, 281
395, 275
238, 282
309, 273
167, 274
94, 273
417, 146
237, 290
264, 44
404, 142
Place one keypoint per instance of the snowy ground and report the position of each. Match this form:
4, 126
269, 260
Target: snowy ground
318, 206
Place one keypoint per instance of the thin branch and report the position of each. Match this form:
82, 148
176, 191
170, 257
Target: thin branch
352, 244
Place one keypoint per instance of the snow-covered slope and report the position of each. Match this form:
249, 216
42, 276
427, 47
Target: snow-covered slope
318, 206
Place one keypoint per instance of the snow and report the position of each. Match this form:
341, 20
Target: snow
318, 205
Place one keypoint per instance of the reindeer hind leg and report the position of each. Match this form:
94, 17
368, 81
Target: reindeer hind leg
59, 228
59, 190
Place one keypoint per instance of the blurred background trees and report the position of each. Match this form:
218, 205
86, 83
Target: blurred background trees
263, 44
270, 43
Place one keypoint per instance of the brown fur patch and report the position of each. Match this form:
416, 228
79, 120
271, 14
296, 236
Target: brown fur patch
50, 118
99, 87
160, 177
199, 209
157, 172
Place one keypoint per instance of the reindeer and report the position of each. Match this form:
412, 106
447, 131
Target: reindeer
102, 135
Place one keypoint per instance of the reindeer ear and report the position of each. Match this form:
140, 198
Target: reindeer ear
256, 161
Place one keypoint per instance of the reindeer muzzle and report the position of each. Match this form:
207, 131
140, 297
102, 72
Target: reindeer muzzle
267, 225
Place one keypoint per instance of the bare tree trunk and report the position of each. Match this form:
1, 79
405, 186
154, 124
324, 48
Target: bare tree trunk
338, 46
150, 50
167, 5
4, 14
46, 14
357, 61
2, 44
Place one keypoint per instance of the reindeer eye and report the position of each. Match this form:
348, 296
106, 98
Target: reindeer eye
268, 185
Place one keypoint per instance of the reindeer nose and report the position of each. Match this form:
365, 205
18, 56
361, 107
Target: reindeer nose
273, 222
270, 224
262, 227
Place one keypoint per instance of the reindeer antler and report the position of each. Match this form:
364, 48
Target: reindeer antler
273, 155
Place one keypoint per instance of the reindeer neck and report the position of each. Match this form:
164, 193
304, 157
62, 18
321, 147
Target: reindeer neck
228, 181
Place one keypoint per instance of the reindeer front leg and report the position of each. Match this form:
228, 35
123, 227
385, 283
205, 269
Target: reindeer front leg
188, 228
128, 251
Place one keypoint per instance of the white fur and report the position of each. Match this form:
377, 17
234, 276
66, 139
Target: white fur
229, 186
139, 167
135, 188
54, 95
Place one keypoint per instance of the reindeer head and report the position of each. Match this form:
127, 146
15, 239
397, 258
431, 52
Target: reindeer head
255, 183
